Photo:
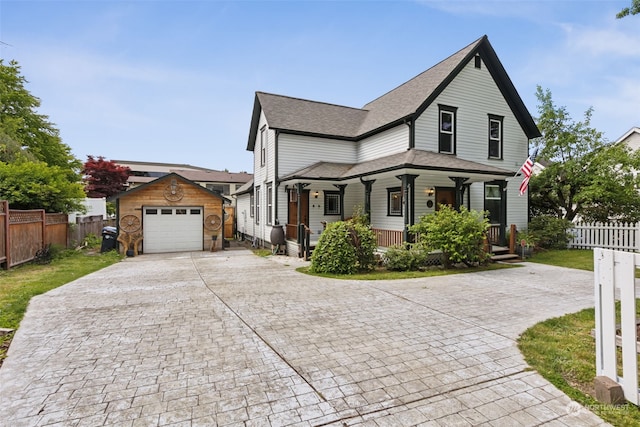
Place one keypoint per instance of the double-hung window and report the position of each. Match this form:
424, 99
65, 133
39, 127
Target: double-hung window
257, 215
263, 145
447, 129
394, 201
495, 137
269, 204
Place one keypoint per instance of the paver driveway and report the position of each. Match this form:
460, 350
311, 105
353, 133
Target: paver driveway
234, 339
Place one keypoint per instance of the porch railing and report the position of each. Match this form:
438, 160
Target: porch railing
387, 238
493, 234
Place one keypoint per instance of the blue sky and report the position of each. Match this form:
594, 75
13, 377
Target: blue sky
174, 81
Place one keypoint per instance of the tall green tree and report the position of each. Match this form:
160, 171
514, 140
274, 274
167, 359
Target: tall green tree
34, 185
634, 9
585, 175
21, 123
37, 170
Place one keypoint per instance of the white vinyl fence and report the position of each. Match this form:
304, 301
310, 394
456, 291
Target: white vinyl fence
618, 236
614, 271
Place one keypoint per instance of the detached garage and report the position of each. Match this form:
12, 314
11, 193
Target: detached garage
170, 214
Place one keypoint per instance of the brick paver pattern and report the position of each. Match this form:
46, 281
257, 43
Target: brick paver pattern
232, 339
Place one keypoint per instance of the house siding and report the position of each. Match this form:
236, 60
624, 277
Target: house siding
244, 222
263, 175
395, 140
379, 217
297, 151
472, 120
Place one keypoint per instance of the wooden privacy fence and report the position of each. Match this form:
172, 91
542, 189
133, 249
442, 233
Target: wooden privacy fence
87, 225
614, 272
618, 236
24, 232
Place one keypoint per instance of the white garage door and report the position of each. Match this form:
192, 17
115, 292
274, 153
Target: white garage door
172, 229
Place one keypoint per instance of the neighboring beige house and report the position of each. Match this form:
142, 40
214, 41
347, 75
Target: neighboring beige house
631, 138
223, 182
455, 134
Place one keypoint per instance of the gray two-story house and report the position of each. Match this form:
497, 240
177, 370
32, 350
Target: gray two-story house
456, 134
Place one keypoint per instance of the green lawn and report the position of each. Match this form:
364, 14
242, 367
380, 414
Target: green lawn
21, 283
581, 259
563, 351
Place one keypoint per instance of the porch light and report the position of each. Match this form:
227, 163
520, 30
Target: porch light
431, 191
315, 195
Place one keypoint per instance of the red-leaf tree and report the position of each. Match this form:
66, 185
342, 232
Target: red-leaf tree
104, 178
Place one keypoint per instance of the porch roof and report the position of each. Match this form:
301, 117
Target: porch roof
410, 159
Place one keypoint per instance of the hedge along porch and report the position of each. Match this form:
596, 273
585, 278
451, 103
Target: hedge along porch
170, 214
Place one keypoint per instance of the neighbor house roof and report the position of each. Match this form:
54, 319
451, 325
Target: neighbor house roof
404, 103
629, 133
410, 159
214, 176
245, 188
167, 177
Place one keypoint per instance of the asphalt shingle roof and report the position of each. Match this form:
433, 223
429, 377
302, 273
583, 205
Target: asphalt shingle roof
308, 117
410, 159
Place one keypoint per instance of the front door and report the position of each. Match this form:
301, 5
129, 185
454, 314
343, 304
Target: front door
445, 196
292, 215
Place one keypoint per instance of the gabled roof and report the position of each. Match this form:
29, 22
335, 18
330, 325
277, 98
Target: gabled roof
410, 159
629, 133
166, 178
245, 188
406, 102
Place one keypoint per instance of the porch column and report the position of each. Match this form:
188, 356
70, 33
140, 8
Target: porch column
367, 197
299, 189
341, 188
460, 186
408, 201
503, 212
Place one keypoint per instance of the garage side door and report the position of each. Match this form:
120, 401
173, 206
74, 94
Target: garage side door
172, 229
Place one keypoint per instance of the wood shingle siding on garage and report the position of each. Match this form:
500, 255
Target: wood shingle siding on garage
170, 192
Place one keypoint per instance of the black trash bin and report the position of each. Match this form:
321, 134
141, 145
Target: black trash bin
109, 236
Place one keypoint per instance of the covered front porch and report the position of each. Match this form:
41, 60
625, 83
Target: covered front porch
393, 198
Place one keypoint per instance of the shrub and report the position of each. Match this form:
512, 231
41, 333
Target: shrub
345, 247
403, 258
551, 232
458, 234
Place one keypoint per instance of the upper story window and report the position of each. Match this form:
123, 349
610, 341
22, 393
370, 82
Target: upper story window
263, 145
394, 201
332, 203
477, 62
495, 137
447, 129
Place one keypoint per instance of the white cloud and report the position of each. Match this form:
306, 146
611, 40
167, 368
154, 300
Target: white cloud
602, 42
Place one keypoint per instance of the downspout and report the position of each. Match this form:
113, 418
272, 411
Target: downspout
412, 133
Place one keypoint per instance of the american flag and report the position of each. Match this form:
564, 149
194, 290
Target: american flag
527, 169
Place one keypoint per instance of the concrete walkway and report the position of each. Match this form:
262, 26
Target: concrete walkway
228, 338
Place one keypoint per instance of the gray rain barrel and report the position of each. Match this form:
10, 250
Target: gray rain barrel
277, 235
